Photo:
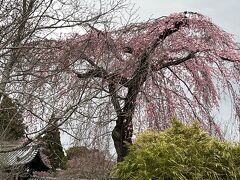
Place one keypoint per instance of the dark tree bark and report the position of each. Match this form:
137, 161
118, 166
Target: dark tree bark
122, 133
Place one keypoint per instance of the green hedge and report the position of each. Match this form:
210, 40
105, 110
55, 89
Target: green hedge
180, 152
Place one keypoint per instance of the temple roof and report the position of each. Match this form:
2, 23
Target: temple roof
30, 155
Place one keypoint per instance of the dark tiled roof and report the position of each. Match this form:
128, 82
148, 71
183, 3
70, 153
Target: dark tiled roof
22, 156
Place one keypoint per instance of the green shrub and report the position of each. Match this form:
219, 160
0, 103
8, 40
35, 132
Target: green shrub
180, 152
76, 151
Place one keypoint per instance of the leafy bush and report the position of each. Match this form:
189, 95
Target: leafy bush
180, 152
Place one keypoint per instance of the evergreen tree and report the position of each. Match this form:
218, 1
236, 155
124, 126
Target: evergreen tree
11, 120
53, 146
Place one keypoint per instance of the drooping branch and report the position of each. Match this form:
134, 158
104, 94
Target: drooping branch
174, 62
101, 73
228, 59
114, 99
198, 101
143, 64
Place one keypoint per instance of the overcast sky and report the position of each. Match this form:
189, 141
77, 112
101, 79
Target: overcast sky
225, 13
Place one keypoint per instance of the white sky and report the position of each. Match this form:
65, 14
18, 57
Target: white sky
225, 13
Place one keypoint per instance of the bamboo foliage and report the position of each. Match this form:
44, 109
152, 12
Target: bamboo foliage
181, 152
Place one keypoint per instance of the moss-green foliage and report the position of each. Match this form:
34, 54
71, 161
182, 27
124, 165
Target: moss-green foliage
181, 152
11, 120
53, 147
76, 151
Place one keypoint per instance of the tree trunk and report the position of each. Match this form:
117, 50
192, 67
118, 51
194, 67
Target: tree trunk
122, 133
122, 137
